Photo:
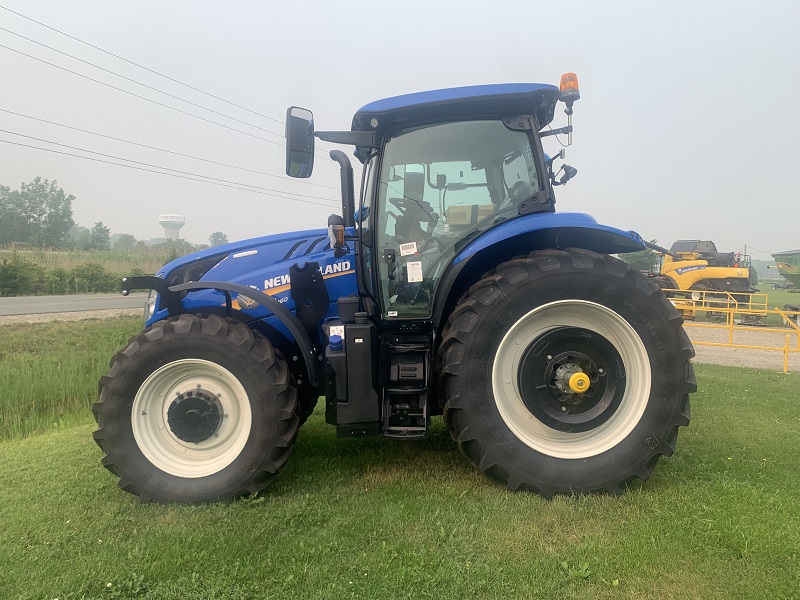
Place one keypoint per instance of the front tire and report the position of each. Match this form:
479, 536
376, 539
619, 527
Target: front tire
196, 409
565, 372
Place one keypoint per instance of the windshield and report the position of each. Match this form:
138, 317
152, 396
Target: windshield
439, 186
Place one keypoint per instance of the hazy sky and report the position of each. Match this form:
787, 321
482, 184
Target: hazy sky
686, 127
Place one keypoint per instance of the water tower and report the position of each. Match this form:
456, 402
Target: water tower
172, 225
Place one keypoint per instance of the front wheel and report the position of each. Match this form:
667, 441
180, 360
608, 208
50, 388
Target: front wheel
196, 409
565, 372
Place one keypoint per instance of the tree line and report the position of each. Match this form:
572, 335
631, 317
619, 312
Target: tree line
39, 216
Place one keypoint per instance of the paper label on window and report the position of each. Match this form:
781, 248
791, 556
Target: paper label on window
337, 330
414, 271
408, 249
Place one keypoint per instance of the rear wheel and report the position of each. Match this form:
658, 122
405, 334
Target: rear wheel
196, 409
566, 371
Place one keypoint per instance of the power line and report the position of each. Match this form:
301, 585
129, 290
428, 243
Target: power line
239, 183
150, 87
72, 37
110, 137
141, 97
162, 173
122, 58
749, 247
148, 99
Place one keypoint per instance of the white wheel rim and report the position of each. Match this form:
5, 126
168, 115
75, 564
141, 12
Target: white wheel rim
157, 441
571, 313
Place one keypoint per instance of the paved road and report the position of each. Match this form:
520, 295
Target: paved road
35, 305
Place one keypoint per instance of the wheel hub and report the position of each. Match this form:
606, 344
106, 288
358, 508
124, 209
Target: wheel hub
572, 379
195, 416
579, 382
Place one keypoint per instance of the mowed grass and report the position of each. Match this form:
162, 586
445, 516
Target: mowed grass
379, 518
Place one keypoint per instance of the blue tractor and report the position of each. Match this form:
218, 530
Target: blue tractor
450, 286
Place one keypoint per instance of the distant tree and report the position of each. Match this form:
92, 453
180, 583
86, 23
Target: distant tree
5, 216
646, 260
124, 241
172, 253
217, 238
39, 213
99, 237
79, 237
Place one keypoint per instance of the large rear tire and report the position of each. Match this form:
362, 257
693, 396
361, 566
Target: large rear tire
565, 372
196, 409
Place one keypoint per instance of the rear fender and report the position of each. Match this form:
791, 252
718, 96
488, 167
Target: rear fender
519, 237
557, 230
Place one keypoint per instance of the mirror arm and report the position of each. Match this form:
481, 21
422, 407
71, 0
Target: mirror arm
549, 132
355, 138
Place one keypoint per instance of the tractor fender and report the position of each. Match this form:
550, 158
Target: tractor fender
520, 236
291, 322
562, 230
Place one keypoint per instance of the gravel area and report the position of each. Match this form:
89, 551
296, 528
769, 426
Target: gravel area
739, 357
69, 316
743, 357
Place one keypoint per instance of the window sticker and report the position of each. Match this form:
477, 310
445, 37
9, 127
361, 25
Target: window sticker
415, 271
408, 249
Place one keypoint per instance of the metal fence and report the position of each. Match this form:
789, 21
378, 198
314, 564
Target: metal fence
738, 313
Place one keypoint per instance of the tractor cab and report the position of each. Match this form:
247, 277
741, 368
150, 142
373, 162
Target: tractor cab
441, 167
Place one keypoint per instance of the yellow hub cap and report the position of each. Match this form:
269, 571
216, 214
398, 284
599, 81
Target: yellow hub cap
579, 382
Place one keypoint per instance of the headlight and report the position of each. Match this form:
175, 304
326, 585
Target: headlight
150, 305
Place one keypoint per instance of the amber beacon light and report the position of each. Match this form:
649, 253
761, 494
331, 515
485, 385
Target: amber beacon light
569, 89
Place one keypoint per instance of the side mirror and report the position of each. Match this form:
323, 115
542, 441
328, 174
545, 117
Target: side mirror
569, 173
299, 142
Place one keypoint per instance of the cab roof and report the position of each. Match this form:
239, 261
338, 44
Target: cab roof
468, 102
492, 100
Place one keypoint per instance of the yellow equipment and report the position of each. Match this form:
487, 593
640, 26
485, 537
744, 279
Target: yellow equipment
696, 265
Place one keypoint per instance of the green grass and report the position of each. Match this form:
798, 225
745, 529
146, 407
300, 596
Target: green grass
379, 518
49, 371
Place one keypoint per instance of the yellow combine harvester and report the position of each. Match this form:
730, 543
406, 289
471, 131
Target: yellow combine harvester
691, 265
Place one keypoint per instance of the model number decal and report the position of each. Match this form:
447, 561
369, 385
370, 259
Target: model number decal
683, 270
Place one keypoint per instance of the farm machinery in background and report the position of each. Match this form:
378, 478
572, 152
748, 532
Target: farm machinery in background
694, 275
788, 265
695, 265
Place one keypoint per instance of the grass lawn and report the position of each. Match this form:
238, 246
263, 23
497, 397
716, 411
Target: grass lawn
379, 518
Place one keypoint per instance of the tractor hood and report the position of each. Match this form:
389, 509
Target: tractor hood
263, 264
270, 248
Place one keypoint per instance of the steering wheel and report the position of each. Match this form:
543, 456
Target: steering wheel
419, 210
